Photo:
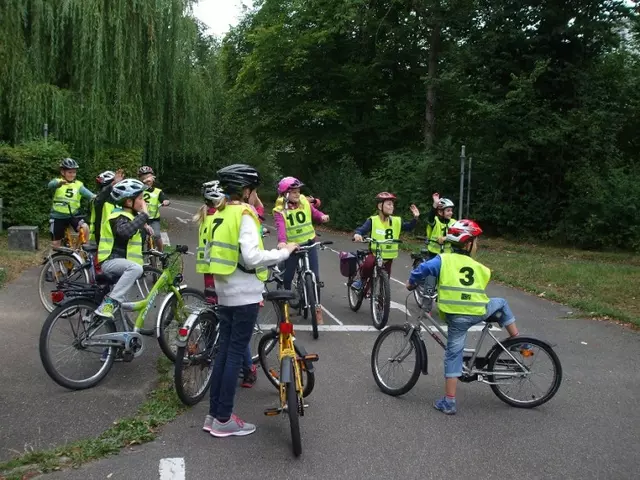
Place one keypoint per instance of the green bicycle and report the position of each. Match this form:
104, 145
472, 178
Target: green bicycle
98, 340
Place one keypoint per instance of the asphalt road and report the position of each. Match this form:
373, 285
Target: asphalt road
590, 429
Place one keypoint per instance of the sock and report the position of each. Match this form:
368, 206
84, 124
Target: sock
450, 399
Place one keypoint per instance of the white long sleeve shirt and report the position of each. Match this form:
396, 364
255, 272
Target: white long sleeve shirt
241, 288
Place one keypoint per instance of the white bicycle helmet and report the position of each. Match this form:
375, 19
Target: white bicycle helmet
106, 177
445, 203
127, 188
212, 191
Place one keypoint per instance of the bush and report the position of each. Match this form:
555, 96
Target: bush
26, 169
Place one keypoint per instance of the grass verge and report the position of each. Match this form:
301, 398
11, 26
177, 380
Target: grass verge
599, 285
14, 262
161, 406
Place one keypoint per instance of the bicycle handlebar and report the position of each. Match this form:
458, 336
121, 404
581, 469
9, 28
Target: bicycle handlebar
306, 248
180, 249
380, 242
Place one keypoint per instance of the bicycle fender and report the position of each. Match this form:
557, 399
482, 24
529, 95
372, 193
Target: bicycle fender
66, 251
286, 371
301, 352
424, 360
188, 324
509, 341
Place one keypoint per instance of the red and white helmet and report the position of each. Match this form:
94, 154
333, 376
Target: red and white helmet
287, 183
382, 196
462, 231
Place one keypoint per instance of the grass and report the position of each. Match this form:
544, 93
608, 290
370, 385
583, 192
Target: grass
14, 262
161, 406
599, 285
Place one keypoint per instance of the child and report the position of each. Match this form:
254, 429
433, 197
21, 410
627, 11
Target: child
154, 198
102, 205
66, 202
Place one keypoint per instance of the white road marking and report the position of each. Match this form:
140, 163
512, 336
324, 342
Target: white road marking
400, 307
178, 210
172, 469
329, 328
331, 315
165, 239
180, 219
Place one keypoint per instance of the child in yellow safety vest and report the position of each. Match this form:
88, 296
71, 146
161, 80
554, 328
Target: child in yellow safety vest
462, 300
383, 226
155, 198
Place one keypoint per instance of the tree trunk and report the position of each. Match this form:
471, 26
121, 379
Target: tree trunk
430, 118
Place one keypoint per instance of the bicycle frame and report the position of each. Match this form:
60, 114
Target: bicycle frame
287, 351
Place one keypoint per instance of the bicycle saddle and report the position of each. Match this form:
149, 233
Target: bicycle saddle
495, 318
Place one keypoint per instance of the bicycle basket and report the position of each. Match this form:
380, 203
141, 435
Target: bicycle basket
348, 264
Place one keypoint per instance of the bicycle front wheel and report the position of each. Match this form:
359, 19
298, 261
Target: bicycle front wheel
511, 377
380, 299
395, 352
193, 367
313, 302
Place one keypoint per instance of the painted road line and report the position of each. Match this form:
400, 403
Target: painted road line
182, 220
165, 238
172, 469
400, 307
178, 210
335, 319
329, 328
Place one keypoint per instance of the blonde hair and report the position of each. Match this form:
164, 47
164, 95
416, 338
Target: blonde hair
201, 214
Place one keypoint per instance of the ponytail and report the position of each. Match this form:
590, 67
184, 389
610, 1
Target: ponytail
201, 214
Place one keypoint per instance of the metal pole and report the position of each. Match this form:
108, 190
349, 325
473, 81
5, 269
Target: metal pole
1, 215
469, 187
46, 132
460, 205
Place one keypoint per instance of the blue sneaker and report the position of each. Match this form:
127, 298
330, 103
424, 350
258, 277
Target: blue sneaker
445, 406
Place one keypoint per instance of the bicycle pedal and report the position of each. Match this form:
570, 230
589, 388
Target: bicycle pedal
272, 412
127, 356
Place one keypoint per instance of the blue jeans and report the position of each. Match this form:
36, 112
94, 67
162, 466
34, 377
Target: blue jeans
457, 333
291, 263
236, 328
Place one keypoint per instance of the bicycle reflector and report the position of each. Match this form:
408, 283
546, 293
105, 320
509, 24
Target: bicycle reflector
286, 328
183, 332
57, 296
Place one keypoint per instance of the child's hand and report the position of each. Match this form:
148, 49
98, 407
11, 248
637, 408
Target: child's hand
436, 199
414, 210
165, 203
325, 218
441, 240
357, 238
409, 286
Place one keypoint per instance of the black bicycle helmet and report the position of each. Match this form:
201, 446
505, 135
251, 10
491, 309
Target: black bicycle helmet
238, 176
69, 164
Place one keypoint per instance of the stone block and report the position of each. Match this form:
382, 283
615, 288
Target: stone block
23, 237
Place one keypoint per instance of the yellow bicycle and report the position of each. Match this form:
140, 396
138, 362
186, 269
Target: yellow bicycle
295, 378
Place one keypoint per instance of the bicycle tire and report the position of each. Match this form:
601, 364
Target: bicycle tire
268, 342
166, 317
203, 360
311, 295
45, 356
359, 295
554, 359
45, 298
294, 419
413, 379
383, 280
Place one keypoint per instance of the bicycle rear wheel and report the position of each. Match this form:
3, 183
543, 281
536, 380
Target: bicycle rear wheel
294, 419
65, 268
523, 348
170, 318
193, 367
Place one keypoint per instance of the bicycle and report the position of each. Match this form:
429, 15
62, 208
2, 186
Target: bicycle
378, 283
306, 287
489, 369
126, 341
149, 245
197, 345
294, 360
427, 289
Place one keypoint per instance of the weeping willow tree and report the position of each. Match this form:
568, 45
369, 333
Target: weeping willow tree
109, 74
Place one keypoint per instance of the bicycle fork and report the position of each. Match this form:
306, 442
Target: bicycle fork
306, 269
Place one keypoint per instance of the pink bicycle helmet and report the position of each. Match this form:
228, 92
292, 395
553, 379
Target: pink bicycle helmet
287, 183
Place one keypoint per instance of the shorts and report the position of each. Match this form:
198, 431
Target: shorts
155, 224
58, 226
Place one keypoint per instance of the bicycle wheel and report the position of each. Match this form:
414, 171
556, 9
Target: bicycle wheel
193, 367
399, 348
140, 291
66, 267
355, 297
271, 367
311, 295
502, 362
268, 315
83, 325
294, 420
170, 319
380, 299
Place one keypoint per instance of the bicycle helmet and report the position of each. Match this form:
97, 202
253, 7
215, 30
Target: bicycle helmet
462, 231
238, 176
69, 164
143, 170
445, 203
127, 188
382, 196
212, 191
287, 183
105, 178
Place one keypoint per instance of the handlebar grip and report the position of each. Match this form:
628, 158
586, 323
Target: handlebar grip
182, 248
328, 242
